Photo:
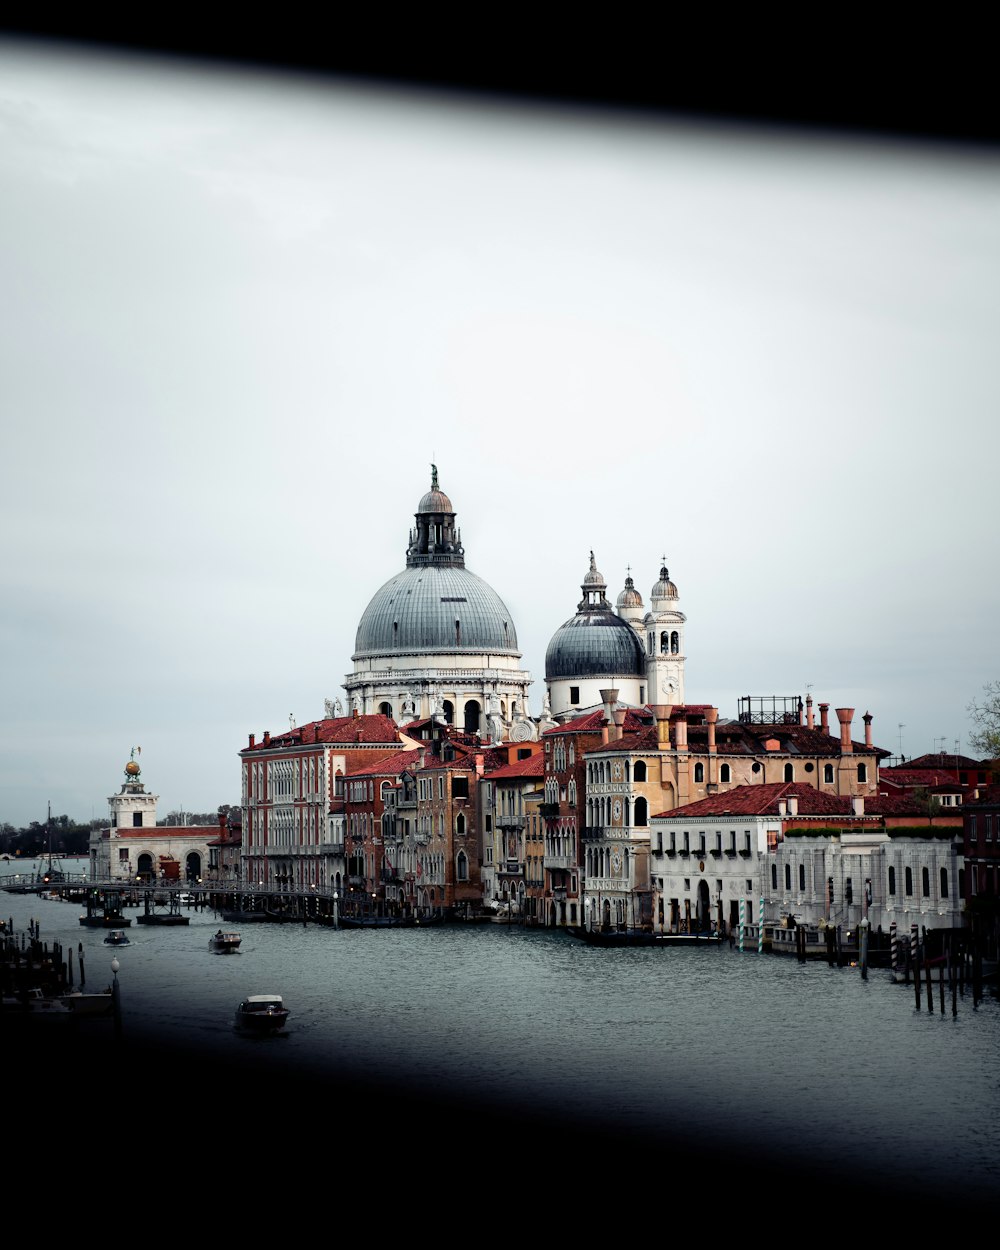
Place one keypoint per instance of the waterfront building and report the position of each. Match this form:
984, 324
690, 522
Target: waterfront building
225, 852
370, 795
513, 842
564, 804
686, 756
812, 856
436, 641
981, 847
134, 847
293, 826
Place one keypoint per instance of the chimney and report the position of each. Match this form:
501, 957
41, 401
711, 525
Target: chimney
662, 713
858, 804
422, 758
355, 713
782, 807
711, 716
867, 718
681, 733
619, 719
793, 805
845, 715
222, 822
609, 698
267, 737
824, 717
252, 736
480, 765
810, 715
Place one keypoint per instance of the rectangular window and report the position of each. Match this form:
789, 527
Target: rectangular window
687, 841
989, 828
137, 820
673, 840
574, 694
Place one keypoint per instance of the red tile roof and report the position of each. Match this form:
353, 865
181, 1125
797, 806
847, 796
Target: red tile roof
936, 760
388, 766
533, 766
762, 800
341, 729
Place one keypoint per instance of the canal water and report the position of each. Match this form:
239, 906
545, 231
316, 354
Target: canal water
734, 1057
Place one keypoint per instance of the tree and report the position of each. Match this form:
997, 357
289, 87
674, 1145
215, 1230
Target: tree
985, 714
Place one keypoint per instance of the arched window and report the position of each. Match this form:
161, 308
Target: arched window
462, 866
641, 813
788, 876
699, 772
892, 880
802, 876
725, 773
909, 880
640, 770
944, 882
664, 643
385, 709
828, 774
774, 876
472, 717
789, 772
925, 882
449, 711
675, 642
460, 824
862, 772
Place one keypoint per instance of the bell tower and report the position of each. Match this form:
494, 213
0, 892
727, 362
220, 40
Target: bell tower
664, 641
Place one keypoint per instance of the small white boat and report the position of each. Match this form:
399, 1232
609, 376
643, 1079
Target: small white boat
224, 941
261, 1013
117, 937
88, 1004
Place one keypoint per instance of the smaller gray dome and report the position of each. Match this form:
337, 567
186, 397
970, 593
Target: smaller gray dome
594, 644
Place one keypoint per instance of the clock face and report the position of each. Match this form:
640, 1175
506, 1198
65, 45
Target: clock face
667, 686
618, 809
616, 860
616, 772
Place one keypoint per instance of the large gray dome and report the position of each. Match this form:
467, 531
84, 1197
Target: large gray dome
594, 644
417, 610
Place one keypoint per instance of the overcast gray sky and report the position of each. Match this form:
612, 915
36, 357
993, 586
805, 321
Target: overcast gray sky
241, 313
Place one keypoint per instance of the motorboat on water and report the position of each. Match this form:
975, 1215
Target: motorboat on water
88, 1004
261, 1013
224, 941
117, 937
